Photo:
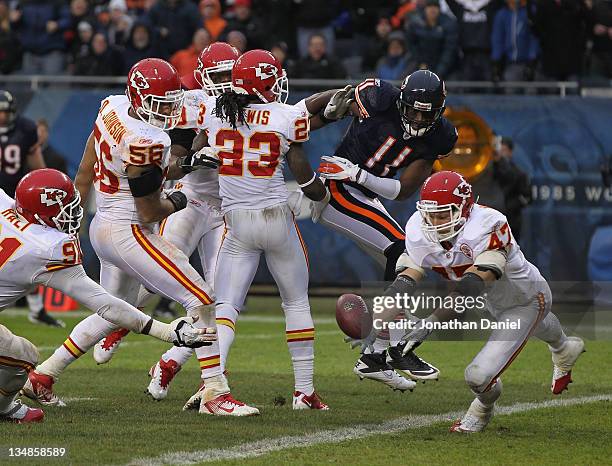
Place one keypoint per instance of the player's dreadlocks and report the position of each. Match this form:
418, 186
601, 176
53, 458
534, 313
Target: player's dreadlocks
230, 106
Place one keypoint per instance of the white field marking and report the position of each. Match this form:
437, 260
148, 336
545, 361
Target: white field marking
71, 399
265, 446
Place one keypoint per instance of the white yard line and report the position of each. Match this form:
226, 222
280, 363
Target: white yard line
265, 446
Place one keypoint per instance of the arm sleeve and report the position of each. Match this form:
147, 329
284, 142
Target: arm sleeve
75, 283
182, 137
298, 129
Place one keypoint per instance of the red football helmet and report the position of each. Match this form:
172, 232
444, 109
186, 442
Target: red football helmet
258, 73
445, 194
214, 71
48, 197
154, 90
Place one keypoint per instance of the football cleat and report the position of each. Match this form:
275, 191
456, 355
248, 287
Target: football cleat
22, 414
226, 405
42, 317
563, 362
303, 401
194, 401
475, 420
39, 387
374, 367
105, 348
161, 375
411, 365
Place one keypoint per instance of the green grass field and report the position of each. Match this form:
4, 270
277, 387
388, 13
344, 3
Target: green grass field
109, 420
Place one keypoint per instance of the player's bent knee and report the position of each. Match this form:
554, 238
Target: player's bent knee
477, 378
23, 350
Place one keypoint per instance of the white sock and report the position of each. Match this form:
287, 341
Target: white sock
300, 332
35, 303
550, 331
83, 337
226, 329
178, 354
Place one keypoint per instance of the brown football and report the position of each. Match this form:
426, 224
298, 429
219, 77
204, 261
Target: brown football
353, 317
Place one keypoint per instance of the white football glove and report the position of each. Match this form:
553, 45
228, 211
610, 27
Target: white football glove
364, 343
338, 168
339, 104
316, 207
403, 262
194, 400
185, 334
206, 157
415, 337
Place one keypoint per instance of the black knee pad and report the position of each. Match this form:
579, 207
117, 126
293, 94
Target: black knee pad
392, 254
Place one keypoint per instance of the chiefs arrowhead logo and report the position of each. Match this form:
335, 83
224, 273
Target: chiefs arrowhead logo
463, 190
265, 71
138, 80
51, 196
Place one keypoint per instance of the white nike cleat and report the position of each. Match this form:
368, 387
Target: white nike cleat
303, 401
161, 375
374, 367
105, 348
39, 387
563, 362
475, 420
226, 405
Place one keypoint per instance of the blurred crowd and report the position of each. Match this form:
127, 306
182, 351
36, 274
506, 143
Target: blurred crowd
512, 40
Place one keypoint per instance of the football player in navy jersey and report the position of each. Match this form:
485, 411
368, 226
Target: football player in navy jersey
19, 154
388, 151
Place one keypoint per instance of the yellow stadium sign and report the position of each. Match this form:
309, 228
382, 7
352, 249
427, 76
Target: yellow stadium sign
474, 148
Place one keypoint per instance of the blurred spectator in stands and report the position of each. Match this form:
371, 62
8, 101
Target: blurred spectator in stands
280, 50
81, 45
53, 159
561, 27
186, 60
395, 64
40, 25
79, 11
404, 8
318, 65
515, 49
377, 45
136, 8
237, 39
141, 44
514, 183
314, 17
242, 19
600, 24
10, 48
103, 59
433, 39
474, 24
214, 23
175, 22
118, 30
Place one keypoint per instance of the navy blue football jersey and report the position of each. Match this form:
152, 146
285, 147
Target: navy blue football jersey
378, 143
15, 146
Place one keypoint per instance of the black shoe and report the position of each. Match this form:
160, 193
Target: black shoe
411, 365
43, 318
374, 367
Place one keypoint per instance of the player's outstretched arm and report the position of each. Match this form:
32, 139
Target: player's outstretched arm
307, 179
35, 158
85, 175
145, 184
74, 282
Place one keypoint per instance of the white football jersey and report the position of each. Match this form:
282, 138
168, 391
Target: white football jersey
486, 229
202, 184
252, 156
27, 250
122, 140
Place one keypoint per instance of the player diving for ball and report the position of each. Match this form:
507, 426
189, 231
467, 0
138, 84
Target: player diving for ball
473, 246
394, 131
40, 247
130, 150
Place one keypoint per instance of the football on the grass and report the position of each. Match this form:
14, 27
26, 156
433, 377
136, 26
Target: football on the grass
353, 317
